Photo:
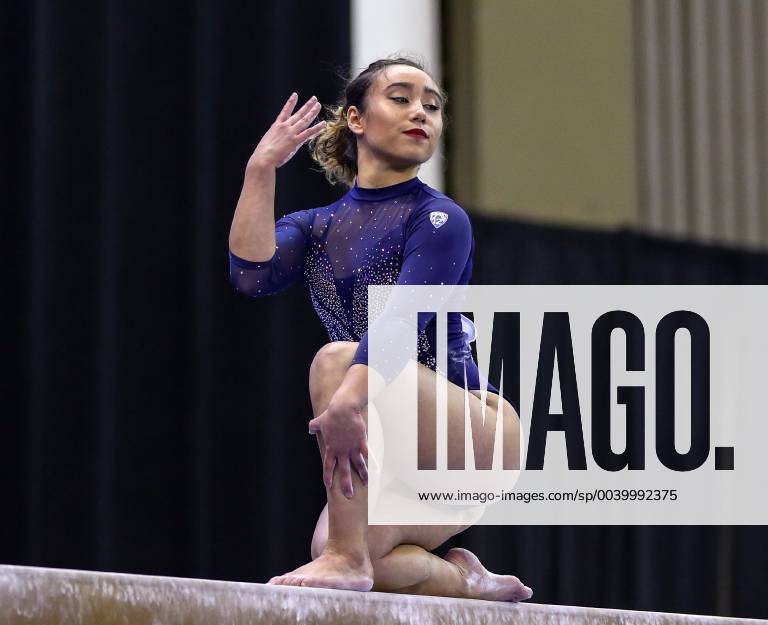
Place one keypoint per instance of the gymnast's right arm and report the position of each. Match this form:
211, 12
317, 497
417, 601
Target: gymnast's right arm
265, 257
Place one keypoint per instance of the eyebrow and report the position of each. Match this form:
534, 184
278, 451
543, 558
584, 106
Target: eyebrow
410, 85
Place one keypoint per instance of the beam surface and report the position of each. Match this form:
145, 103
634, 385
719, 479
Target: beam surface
61, 596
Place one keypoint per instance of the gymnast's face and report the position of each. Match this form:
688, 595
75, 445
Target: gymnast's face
402, 98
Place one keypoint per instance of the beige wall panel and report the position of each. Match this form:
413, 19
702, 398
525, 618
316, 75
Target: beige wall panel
553, 125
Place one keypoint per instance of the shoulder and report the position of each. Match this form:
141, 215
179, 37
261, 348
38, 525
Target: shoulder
434, 200
437, 210
305, 219
434, 193
301, 216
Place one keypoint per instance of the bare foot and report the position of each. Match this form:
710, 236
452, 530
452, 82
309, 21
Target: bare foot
331, 569
482, 584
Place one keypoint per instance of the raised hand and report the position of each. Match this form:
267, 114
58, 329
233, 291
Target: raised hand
288, 133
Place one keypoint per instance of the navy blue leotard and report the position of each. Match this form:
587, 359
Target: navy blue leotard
406, 233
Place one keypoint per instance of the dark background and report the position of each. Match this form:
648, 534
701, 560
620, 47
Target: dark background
154, 420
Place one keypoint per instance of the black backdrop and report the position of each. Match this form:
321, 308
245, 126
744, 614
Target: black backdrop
154, 421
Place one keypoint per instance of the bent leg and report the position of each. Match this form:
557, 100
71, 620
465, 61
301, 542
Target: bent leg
340, 555
460, 574
347, 552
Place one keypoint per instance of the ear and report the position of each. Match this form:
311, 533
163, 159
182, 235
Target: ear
355, 121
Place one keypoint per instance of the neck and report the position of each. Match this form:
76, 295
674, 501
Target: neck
374, 173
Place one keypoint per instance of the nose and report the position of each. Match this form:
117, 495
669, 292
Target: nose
419, 114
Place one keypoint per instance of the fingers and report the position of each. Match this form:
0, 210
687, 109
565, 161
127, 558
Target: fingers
362, 470
311, 113
301, 112
310, 132
345, 475
285, 112
321, 445
344, 464
329, 462
310, 105
306, 113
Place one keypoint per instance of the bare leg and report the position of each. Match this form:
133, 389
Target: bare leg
349, 554
343, 562
412, 569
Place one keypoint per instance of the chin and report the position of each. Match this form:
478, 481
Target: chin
410, 160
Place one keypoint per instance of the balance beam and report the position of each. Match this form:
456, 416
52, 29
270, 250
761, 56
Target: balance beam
65, 597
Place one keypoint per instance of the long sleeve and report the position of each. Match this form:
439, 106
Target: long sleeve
292, 233
438, 245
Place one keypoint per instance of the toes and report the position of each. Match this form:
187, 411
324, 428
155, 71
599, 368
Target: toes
524, 593
521, 591
276, 580
528, 592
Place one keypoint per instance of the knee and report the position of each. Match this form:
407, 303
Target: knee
331, 360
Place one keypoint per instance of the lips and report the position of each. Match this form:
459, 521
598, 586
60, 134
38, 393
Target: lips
416, 132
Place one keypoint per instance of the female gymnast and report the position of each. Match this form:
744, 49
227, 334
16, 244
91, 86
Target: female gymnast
389, 228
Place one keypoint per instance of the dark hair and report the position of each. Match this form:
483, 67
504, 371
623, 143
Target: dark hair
335, 147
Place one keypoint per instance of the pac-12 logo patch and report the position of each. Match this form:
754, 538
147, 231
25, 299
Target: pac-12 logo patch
438, 218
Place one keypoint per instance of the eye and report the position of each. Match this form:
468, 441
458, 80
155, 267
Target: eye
402, 100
